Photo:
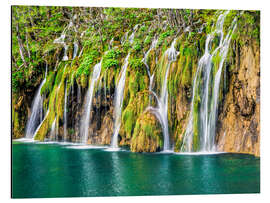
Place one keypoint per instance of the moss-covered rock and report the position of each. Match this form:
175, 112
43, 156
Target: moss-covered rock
147, 136
135, 107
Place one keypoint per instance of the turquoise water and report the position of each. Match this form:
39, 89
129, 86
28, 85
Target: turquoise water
52, 170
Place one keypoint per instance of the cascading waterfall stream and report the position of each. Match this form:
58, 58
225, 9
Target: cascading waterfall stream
210, 142
84, 124
209, 92
61, 39
53, 131
36, 112
65, 114
144, 60
161, 112
119, 94
75, 51
47, 113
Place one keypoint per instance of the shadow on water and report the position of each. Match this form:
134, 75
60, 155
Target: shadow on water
53, 170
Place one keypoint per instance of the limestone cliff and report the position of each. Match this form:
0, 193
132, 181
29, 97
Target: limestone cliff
239, 118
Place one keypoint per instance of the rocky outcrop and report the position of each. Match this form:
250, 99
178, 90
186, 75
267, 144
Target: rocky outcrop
147, 135
239, 119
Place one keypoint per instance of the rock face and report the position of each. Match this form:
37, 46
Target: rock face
239, 119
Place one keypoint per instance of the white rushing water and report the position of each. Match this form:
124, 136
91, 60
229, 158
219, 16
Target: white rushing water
65, 114
61, 40
144, 60
161, 111
53, 131
208, 91
75, 50
84, 125
119, 94
36, 112
40, 124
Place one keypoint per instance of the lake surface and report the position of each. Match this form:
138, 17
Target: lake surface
53, 170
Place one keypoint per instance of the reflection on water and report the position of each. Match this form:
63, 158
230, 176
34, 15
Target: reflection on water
53, 170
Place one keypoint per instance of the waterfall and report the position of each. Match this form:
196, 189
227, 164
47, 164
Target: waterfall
65, 114
61, 40
131, 37
36, 112
53, 131
119, 93
84, 125
75, 50
144, 60
208, 91
79, 94
161, 112
65, 58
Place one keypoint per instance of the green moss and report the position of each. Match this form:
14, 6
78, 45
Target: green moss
60, 100
147, 136
59, 75
128, 121
48, 85
196, 124
137, 104
111, 59
147, 40
163, 36
136, 63
16, 124
216, 59
137, 45
133, 84
186, 76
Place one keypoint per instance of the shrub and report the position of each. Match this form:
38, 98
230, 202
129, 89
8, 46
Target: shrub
88, 60
136, 63
111, 58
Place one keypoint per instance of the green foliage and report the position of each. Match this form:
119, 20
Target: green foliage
137, 45
111, 63
136, 63
143, 28
126, 46
87, 62
163, 36
147, 40
17, 78
111, 59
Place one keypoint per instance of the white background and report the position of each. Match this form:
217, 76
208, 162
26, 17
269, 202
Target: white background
5, 112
